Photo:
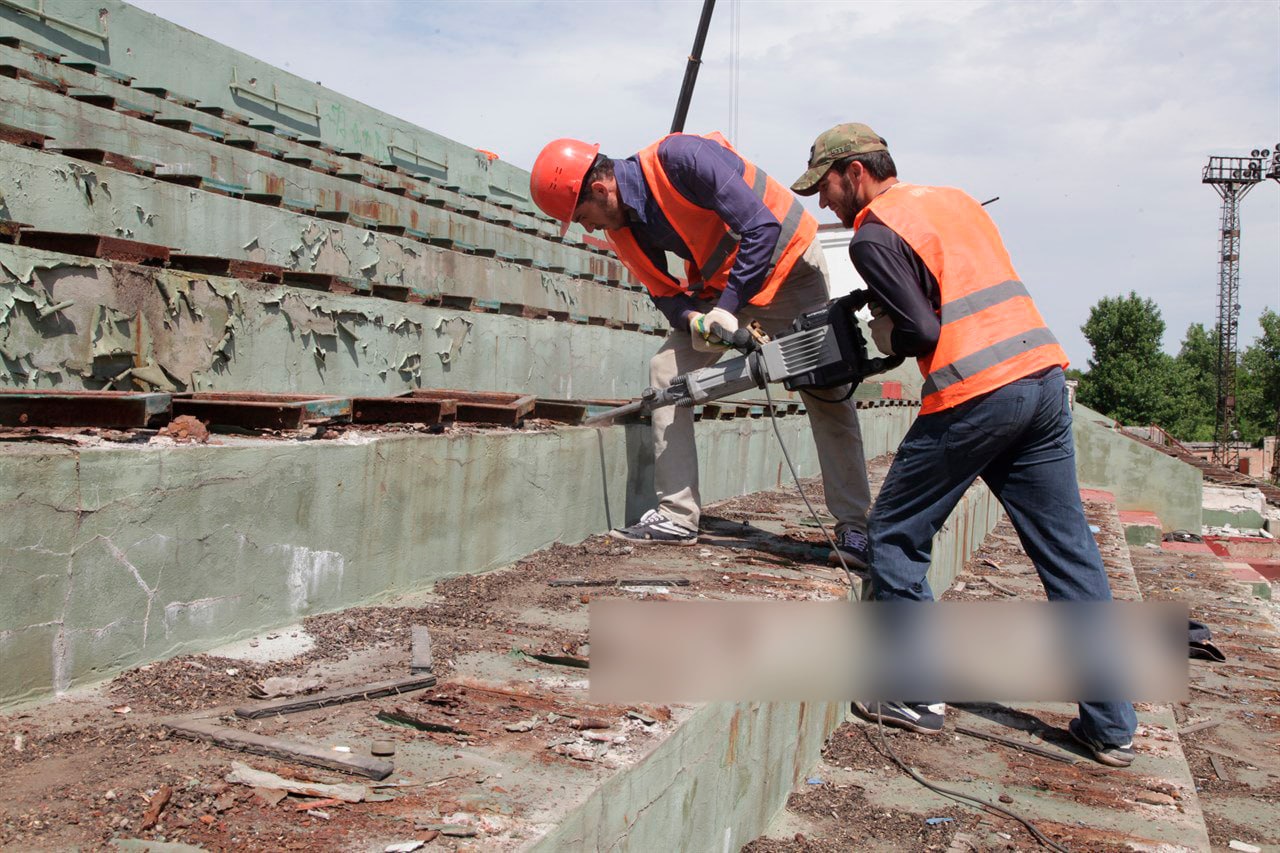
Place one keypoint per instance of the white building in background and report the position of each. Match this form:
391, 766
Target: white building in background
843, 278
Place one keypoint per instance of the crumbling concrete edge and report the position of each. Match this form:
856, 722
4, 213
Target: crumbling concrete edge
717, 783
116, 556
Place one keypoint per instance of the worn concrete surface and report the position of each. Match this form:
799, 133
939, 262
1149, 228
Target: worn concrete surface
1239, 507
1140, 478
703, 777
59, 193
1083, 806
189, 331
114, 555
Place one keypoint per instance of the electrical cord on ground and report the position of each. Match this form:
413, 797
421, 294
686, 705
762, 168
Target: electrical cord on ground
853, 578
966, 799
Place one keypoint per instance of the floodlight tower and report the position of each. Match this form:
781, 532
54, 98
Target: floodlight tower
1232, 177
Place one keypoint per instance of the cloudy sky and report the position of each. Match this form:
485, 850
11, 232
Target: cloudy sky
1090, 120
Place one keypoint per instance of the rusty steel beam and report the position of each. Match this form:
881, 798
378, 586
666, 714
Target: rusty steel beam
262, 411
97, 246
227, 267
106, 409
111, 159
563, 411
19, 136
505, 409
9, 230
402, 410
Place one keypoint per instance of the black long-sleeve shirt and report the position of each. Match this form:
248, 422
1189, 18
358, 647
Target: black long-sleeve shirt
901, 283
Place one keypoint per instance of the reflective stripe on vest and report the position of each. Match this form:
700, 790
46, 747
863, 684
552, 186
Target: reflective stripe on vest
991, 333
698, 227
956, 371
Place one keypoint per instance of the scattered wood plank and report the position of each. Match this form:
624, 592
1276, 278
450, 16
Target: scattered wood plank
303, 753
1217, 693
1220, 768
394, 687
1200, 726
1016, 744
420, 659
618, 582
999, 587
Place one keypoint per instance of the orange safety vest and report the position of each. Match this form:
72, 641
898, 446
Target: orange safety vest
992, 333
714, 246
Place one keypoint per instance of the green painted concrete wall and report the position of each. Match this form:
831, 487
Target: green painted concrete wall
114, 556
1141, 478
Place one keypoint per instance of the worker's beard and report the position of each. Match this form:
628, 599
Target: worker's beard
852, 206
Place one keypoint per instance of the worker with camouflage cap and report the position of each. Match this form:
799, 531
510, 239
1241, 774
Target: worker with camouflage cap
993, 405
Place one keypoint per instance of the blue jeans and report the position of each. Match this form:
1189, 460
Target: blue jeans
1018, 439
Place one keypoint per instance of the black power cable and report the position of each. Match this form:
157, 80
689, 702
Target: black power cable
958, 796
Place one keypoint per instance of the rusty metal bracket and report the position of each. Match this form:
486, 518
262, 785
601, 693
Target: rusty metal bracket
106, 409
39, 13
262, 411
273, 99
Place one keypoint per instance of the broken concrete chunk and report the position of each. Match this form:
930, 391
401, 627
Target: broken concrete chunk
1155, 798
1244, 847
402, 847
273, 688
270, 796
524, 725
576, 751
591, 723
242, 774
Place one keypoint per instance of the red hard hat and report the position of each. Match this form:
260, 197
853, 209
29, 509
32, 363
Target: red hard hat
556, 178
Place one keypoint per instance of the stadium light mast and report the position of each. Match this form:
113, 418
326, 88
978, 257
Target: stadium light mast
1232, 178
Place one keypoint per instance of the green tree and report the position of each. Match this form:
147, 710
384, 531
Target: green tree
1258, 382
1193, 386
1129, 375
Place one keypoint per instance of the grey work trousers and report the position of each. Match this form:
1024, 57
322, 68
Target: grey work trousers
835, 425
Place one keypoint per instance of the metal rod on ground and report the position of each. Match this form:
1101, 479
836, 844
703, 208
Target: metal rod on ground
691, 70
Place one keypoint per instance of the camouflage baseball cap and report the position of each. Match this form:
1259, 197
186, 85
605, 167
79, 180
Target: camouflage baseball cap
843, 140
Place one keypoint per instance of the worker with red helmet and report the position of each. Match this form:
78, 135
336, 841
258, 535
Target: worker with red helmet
749, 253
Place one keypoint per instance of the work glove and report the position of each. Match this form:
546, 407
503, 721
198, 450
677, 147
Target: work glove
704, 340
881, 328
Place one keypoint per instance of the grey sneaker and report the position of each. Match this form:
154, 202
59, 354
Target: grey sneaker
655, 528
1109, 754
853, 547
923, 718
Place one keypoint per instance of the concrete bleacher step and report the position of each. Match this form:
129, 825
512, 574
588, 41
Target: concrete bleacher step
185, 157
125, 133
208, 332
1229, 726
164, 214
1083, 805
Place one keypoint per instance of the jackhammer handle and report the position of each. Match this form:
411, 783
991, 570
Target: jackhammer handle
740, 340
882, 364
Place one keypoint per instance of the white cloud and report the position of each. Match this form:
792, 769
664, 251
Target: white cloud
1090, 120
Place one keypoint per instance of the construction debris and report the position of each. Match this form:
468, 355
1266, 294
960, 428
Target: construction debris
420, 659
243, 774
277, 748
394, 687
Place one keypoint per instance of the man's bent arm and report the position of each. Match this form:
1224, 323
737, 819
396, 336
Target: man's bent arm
710, 176
899, 282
